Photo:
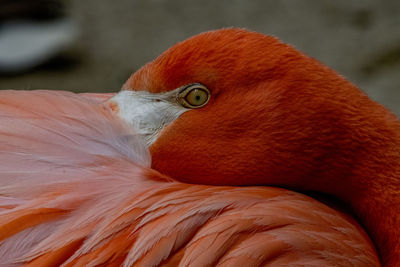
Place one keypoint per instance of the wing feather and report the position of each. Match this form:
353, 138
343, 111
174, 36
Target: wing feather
76, 190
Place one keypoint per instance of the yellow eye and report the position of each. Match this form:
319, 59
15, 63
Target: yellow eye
194, 96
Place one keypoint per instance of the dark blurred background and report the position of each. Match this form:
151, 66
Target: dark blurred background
94, 45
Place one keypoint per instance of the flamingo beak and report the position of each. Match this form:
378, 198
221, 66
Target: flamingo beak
148, 113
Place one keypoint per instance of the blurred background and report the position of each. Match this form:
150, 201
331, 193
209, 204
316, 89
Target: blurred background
94, 45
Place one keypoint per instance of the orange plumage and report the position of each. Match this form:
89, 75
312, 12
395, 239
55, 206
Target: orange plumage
77, 187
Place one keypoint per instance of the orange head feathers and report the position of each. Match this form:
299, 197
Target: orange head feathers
276, 117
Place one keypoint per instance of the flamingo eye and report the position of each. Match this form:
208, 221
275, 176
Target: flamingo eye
194, 96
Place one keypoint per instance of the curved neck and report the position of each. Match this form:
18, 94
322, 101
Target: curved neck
374, 193
378, 208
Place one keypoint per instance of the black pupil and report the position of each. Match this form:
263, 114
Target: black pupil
197, 97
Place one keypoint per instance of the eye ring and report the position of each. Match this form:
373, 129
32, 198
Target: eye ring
194, 96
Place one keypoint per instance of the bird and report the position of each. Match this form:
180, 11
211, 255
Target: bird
77, 189
184, 166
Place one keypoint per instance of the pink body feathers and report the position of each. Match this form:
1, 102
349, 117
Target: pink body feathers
76, 188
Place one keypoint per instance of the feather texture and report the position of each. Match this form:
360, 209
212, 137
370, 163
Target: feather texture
76, 189
278, 117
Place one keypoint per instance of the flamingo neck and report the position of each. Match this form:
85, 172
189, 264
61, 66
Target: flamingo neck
374, 193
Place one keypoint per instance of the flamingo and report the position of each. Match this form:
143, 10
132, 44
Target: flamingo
196, 162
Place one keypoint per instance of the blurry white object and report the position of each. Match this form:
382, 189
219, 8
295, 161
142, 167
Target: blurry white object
27, 44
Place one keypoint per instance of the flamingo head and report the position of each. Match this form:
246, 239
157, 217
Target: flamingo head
235, 107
